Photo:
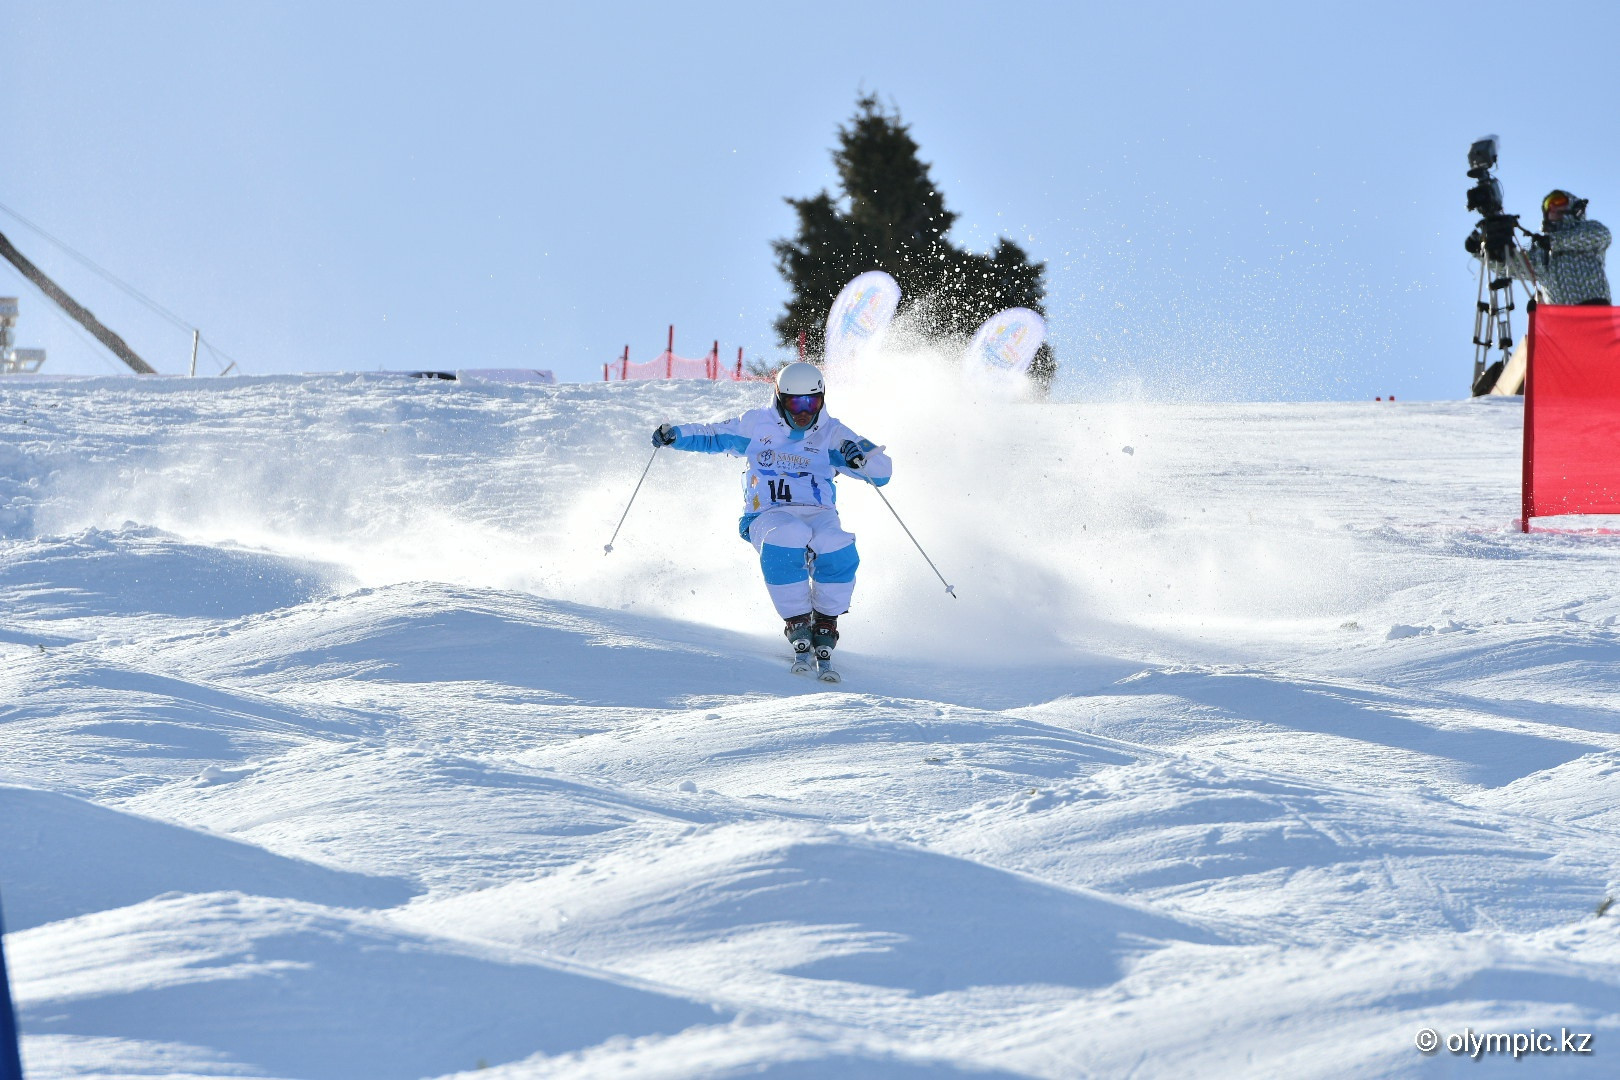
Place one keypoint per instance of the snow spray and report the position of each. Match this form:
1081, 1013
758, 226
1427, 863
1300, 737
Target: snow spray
374, 481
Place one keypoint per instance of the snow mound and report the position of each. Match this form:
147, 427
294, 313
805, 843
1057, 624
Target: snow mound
336, 747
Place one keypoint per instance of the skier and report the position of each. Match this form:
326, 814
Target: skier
794, 450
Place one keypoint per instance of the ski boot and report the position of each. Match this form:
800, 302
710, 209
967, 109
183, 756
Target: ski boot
823, 637
798, 631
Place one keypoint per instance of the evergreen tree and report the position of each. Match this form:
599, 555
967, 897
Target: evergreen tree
891, 216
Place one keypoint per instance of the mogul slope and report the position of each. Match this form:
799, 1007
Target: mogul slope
1257, 742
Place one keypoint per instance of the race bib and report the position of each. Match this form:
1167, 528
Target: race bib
767, 490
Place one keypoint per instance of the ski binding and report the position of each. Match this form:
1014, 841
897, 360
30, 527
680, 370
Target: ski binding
824, 669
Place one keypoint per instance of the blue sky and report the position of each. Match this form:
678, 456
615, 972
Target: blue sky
1254, 201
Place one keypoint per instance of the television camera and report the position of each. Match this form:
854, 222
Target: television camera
1492, 241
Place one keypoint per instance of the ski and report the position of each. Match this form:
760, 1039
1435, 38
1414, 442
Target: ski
824, 668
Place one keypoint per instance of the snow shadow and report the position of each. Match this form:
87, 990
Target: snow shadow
440, 820
566, 652
852, 1067
31, 638
142, 571
1501, 982
1487, 757
1004, 686
930, 923
112, 717
433, 633
1559, 660
302, 991
1309, 860
61, 857
865, 911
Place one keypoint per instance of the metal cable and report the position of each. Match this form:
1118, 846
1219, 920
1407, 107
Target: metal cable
176, 320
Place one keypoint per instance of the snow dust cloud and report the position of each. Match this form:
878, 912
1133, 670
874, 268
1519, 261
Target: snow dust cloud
1057, 524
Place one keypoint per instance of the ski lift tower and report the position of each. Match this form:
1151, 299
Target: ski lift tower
14, 361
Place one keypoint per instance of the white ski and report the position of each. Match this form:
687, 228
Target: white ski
824, 669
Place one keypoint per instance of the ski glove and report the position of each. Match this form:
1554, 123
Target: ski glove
664, 436
853, 457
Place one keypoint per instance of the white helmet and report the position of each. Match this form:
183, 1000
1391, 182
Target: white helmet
800, 380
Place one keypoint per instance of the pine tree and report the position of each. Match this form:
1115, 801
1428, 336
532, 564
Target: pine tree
891, 216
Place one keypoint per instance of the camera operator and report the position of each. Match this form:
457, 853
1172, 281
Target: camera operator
1565, 263
1565, 260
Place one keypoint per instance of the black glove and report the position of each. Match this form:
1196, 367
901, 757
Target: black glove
1473, 243
853, 457
664, 436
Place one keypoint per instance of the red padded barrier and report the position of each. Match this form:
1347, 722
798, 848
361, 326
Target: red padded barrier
1572, 412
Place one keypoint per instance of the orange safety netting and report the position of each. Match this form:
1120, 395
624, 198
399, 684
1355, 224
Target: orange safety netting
669, 366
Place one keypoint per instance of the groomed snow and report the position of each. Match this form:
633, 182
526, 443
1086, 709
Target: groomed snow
1258, 740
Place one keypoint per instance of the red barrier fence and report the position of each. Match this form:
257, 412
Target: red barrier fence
1572, 412
666, 365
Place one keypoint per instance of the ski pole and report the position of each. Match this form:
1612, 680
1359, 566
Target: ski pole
608, 547
948, 586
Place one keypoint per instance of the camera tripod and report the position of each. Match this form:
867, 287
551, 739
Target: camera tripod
1493, 319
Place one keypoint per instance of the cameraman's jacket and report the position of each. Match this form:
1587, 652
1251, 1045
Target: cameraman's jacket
1566, 262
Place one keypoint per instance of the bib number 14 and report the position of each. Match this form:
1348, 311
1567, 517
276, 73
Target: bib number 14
780, 492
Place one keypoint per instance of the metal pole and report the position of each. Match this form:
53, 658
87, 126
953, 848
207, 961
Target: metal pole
948, 586
608, 548
10, 1056
196, 338
1527, 483
80, 314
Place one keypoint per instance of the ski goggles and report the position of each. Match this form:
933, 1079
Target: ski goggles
802, 403
1558, 200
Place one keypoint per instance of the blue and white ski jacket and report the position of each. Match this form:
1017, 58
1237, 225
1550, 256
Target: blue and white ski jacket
788, 469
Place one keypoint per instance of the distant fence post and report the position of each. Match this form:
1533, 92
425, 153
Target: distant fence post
624, 369
10, 1054
669, 354
739, 363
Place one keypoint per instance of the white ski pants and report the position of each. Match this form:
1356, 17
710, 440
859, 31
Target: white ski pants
808, 560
